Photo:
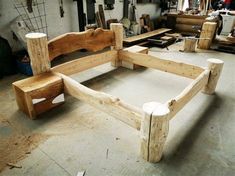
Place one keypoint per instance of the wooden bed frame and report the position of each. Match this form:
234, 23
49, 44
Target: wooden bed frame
40, 93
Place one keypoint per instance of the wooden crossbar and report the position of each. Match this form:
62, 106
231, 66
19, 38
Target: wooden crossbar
112, 105
176, 104
178, 68
85, 63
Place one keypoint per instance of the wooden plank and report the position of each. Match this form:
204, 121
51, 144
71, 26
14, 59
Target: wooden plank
176, 104
102, 16
92, 40
112, 105
85, 63
146, 35
45, 106
178, 68
38, 52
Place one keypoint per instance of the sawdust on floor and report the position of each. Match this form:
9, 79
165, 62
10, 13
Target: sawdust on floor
14, 146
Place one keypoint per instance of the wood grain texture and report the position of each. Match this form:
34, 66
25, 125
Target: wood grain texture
146, 35
207, 35
215, 66
177, 103
190, 44
134, 49
85, 63
154, 130
44, 86
112, 105
178, 68
38, 52
92, 40
117, 28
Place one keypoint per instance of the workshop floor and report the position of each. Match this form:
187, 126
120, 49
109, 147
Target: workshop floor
76, 137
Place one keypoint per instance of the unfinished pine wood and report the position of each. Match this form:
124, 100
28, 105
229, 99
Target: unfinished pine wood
38, 52
91, 40
166, 38
134, 49
176, 104
85, 63
215, 66
117, 28
112, 105
146, 35
178, 68
45, 105
154, 131
188, 21
44, 86
207, 35
190, 44
145, 129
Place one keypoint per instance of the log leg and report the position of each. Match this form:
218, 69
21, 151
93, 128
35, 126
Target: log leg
154, 130
215, 66
117, 28
38, 52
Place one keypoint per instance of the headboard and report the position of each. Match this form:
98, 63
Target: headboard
91, 40
42, 52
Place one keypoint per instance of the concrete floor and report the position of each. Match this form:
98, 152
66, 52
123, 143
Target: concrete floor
201, 139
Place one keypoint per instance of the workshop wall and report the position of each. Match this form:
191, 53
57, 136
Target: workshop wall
58, 25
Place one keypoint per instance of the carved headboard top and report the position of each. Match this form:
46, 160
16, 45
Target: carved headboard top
92, 40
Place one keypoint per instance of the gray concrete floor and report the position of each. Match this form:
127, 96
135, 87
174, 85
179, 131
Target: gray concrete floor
200, 142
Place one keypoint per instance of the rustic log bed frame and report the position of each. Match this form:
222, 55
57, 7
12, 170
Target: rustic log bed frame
38, 94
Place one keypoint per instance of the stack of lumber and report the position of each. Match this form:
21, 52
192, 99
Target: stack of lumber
187, 24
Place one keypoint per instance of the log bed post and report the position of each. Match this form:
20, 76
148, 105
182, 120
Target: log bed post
215, 66
154, 130
117, 28
38, 52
